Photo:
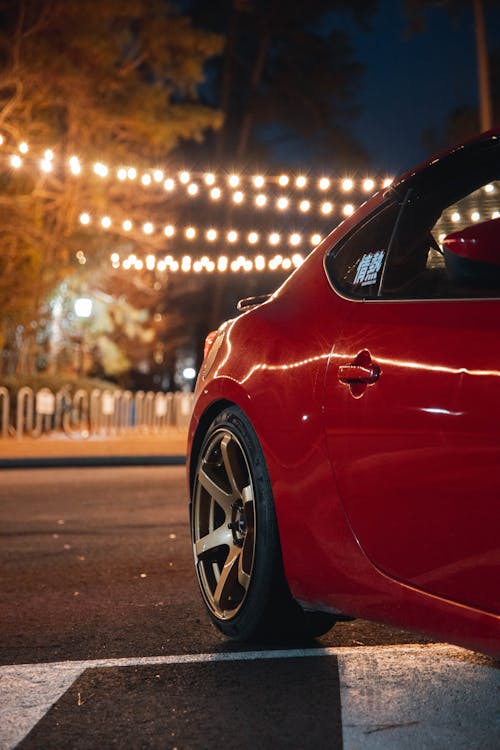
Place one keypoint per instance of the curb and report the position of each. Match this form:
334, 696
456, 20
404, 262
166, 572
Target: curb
57, 462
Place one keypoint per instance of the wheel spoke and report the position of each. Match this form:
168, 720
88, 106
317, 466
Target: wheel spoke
227, 580
214, 490
229, 450
216, 538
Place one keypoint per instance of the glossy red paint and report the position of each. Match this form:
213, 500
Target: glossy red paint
380, 433
479, 242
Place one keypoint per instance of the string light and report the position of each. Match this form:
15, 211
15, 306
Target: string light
16, 161
233, 180
283, 180
368, 185
324, 183
347, 184
301, 181
146, 179
258, 181
169, 184
127, 225
23, 147
238, 197
260, 200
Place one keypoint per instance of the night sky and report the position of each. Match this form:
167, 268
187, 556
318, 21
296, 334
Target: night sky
413, 82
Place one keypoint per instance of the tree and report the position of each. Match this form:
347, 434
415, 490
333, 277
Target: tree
287, 76
85, 78
455, 8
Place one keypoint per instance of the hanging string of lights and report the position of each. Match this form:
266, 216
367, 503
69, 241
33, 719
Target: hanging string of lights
322, 197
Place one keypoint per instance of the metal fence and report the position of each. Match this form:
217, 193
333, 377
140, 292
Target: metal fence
81, 414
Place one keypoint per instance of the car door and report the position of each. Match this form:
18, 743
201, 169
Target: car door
412, 419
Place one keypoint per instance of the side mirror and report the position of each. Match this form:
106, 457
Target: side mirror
473, 254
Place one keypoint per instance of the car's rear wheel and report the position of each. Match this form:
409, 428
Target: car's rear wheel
235, 539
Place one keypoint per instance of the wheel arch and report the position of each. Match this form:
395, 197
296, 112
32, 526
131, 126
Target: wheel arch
206, 419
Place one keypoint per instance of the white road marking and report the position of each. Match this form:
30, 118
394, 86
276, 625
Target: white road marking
431, 695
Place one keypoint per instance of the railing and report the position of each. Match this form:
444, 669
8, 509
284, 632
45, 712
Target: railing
80, 414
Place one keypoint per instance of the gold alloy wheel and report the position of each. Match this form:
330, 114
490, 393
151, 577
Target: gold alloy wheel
223, 524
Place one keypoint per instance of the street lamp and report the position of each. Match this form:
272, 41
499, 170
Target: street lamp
83, 310
83, 307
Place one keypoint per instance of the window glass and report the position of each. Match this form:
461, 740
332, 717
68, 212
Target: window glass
355, 266
443, 243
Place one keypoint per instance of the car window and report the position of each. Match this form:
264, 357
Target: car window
356, 264
439, 244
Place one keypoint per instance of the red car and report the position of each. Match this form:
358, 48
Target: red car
344, 451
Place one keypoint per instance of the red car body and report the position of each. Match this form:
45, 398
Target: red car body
379, 420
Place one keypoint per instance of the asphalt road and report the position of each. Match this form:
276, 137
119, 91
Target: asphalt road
99, 603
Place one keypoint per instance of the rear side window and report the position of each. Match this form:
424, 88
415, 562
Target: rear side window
424, 247
356, 265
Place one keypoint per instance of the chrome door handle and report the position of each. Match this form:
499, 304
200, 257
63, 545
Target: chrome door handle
357, 373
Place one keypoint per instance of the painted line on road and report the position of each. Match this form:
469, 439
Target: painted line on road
386, 692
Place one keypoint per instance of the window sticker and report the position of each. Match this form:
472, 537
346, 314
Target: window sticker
369, 268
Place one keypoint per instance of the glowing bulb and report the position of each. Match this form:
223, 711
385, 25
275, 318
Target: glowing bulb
215, 193
169, 184
347, 184
282, 203
146, 179
455, 216
147, 228
197, 266
74, 165
324, 183
1, 140
23, 147
247, 266
161, 266
315, 239
222, 263
274, 238
238, 197
209, 178
193, 188
184, 177
131, 173
304, 206
46, 165
211, 235
16, 161
495, 215
232, 236
84, 219
101, 169
297, 260
233, 180
186, 263
48, 154
106, 222
348, 209
261, 200
387, 182
475, 216
489, 188
260, 262
139, 265
127, 225
283, 180
190, 233
368, 185
169, 230
158, 175
326, 208
258, 181
253, 237
286, 264
115, 258
150, 262
295, 239
174, 266
301, 181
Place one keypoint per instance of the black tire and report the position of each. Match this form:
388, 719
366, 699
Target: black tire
236, 541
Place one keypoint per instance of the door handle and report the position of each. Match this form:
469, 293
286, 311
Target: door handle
359, 374
355, 373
